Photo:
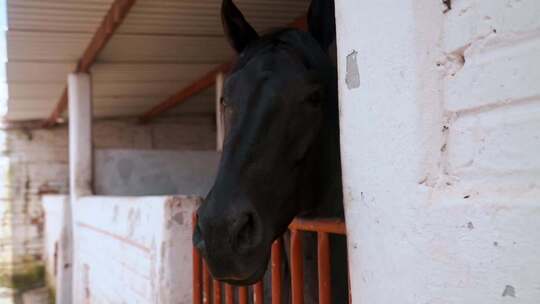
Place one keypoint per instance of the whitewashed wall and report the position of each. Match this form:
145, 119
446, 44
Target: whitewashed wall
440, 123
34, 162
53, 209
133, 250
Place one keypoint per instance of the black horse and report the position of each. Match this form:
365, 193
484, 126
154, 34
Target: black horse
281, 156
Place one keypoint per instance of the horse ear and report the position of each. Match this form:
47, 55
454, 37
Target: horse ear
322, 22
237, 29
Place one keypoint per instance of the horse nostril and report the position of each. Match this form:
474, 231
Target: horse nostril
247, 233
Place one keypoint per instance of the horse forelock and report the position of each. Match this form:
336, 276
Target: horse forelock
298, 44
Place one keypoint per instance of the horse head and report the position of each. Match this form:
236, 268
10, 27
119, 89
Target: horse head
279, 94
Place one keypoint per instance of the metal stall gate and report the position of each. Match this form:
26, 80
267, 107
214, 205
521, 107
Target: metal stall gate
206, 290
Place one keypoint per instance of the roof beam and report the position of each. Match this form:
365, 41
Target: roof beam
112, 20
202, 83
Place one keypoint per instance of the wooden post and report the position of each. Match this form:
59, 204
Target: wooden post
220, 112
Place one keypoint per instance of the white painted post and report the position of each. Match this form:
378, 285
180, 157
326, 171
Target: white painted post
220, 113
80, 134
440, 174
80, 174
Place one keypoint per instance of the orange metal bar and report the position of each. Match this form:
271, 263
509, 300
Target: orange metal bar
323, 227
349, 283
243, 295
229, 294
217, 292
297, 272
197, 272
334, 226
202, 83
323, 265
258, 293
277, 248
207, 287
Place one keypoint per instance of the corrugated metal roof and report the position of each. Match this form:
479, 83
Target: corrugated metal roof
202, 17
79, 16
161, 46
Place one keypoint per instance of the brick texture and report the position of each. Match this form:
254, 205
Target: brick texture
494, 97
34, 162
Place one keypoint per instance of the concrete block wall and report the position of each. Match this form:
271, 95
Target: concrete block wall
441, 149
154, 172
34, 162
133, 250
185, 132
36, 296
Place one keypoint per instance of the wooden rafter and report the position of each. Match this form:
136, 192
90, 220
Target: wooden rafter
202, 83
112, 20
195, 87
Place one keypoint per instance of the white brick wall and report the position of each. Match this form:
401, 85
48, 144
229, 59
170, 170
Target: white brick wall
133, 250
502, 144
495, 97
36, 163
496, 75
53, 208
441, 150
471, 20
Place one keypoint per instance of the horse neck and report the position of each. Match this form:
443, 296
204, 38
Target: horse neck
326, 163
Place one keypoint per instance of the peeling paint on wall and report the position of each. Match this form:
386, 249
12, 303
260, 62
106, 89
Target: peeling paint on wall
352, 79
447, 6
509, 291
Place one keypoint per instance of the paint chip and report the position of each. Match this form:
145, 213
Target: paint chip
179, 218
509, 291
447, 6
352, 78
443, 148
470, 225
